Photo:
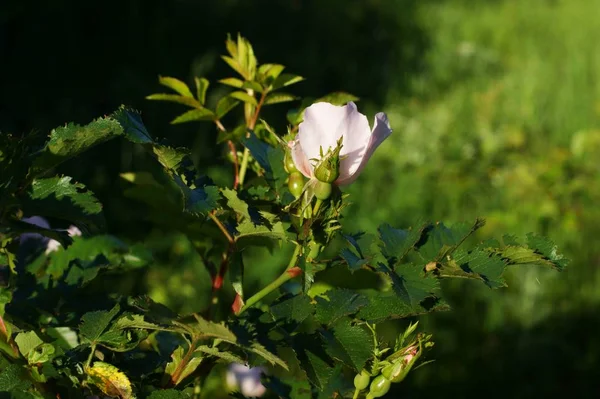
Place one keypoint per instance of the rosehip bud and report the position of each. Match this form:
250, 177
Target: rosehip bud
288, 163
323, 190
328, 168
296, 184
361, 380
379, 387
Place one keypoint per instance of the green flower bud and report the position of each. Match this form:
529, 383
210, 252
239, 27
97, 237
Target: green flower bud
398, 370
328, 168
296, 184
361, 380
323, 190
379, 387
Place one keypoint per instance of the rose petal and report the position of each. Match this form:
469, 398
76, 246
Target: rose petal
300, 159
381, 131
357, 134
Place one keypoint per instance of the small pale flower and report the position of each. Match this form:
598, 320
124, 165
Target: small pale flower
324, 124
245, 379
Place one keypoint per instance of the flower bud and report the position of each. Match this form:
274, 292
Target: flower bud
397, 371
328, 168
288, 163
296, 184
379, 387
361, 380
323, 190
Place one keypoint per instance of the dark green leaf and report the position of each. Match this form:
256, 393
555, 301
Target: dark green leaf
132, 124
12, 378
93, 324
350, 344
412, 284
71, 140
296, 308
339, 303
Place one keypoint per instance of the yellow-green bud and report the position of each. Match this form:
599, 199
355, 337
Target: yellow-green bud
328, 168
323, 190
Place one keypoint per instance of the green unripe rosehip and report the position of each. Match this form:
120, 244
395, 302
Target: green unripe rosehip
361, 380
323, 190
288, 163
379, 387
296, 184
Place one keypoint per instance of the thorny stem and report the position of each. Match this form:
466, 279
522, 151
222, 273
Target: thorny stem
289, 273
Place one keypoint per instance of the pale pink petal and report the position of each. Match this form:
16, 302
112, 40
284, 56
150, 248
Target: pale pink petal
357, 134
300, 159
322, 126
381, 131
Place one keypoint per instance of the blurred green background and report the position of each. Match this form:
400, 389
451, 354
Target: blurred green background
495, 107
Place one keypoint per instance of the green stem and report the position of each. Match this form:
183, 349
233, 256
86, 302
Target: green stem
278, 282
356, 393
317, 206
244, 166
90, 357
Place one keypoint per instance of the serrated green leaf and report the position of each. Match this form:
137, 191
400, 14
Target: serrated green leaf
130, 320
296, 308
175, 98
224, 105
338, 303
93, 324
225, 356
169, 157
88, 250
548, 249
276, 98
62, 198
440, 241
243, 96
133, 126
412, 284
71, 140
202, 329
194, 115
260, 350
475, 264
397, 243
176, 85
350, 344
387, 305
201, 88
110, 380
12, 378
270, 159
313, 358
